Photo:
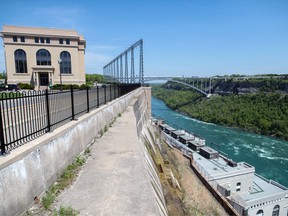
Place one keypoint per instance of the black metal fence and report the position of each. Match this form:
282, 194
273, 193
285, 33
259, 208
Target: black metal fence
27, 115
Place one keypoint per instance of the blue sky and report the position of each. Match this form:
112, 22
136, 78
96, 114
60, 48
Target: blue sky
181, 37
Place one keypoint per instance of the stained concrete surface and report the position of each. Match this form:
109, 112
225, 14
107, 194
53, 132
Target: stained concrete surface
114, 181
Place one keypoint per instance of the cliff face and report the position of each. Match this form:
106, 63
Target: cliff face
251, 86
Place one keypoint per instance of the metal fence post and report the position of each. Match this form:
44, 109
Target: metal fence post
115, 90
3, 150
87, 93
97, 96
110, 92
72, 103
105, 94
118, 93
48, 110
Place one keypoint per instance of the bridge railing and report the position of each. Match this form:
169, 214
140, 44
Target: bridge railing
26, 115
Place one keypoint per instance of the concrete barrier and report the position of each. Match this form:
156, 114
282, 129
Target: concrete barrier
31, 169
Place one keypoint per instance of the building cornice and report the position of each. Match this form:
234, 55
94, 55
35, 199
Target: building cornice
40, 31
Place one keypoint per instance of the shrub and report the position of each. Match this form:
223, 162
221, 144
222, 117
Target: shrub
65, 86
25, 86
85, 86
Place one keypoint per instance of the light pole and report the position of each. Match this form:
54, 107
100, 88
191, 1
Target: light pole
59, 62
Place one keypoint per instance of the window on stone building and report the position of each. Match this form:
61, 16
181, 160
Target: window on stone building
260, 213
22, 38
276, 210
36, 39
43, 57
65, 65
42, 40
68, 41
14, 38
20, 61
48, 40
60, 40
238, 186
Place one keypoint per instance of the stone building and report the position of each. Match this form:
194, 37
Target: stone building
43, 56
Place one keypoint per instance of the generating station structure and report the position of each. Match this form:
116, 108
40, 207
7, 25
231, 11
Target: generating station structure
246, 191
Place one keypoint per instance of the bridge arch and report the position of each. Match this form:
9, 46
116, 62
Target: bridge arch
178, 80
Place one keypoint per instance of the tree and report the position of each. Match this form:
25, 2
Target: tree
3, 75
92, 78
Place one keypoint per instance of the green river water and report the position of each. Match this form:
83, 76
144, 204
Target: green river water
268, 155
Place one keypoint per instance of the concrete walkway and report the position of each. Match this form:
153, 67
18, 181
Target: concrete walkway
114, 181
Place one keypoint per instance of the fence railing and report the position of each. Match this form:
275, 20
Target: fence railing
27, 115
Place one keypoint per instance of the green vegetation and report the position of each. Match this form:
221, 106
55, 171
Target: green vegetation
65, 180
25, 86
74, 86
67, 211
175, 98
3, 75
92, 78
265, 113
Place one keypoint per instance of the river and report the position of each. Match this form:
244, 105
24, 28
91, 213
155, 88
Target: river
268, 155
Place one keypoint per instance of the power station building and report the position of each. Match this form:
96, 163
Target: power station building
43, 56
246, 191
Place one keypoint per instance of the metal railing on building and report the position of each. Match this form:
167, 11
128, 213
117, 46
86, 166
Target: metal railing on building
26, 115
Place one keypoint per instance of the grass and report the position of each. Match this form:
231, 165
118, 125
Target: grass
64, 180
67, 211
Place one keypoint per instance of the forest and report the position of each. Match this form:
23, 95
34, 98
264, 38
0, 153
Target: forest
262, 112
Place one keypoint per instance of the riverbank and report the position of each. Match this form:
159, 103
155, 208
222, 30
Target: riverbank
265, 114
261, 151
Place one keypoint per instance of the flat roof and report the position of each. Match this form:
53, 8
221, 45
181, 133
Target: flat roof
261, 189
219, 166
209, 150
28, 30
164, 125
178, 132
187, 138
196, 143
170, 128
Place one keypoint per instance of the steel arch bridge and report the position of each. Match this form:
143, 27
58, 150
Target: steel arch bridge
119, 72
116, 71
200, 84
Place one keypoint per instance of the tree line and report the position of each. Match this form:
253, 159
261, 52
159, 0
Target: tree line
264, 113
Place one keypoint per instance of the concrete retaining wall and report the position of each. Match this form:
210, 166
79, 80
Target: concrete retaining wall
32, 168
142, 111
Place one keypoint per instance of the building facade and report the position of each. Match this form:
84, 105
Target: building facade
249, 193
43, 56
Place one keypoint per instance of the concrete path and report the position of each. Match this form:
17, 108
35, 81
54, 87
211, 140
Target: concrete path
114, 181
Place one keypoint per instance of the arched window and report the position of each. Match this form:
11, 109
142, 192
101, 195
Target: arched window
65, 64
43, 57
259, 213
276, 210
20, 61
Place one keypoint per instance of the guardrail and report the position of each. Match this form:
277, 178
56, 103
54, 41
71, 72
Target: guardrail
26, 115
